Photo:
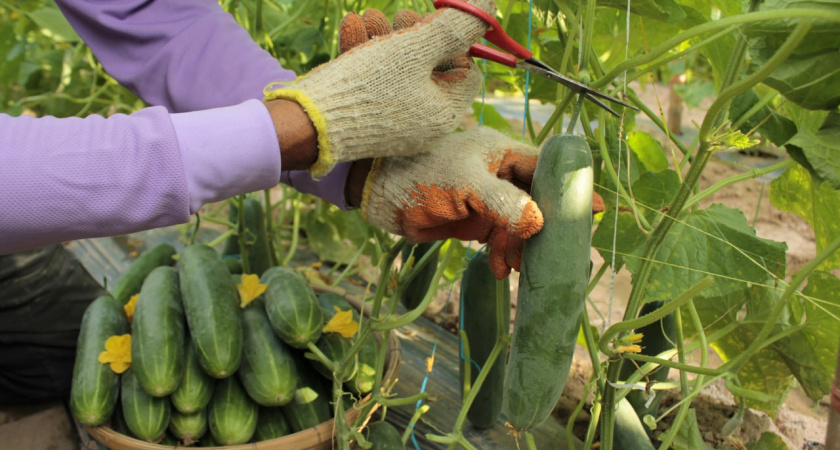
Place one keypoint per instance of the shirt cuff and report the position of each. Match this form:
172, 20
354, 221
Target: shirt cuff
227, 151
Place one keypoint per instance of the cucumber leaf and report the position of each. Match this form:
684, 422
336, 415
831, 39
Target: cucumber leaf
689, 436
822, 148
629, 236
648, 150
768, 441
775, 127
797, 192
716, 241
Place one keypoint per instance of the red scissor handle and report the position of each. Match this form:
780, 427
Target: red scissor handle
495, 34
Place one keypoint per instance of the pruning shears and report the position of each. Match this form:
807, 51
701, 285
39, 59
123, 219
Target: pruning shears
516, 56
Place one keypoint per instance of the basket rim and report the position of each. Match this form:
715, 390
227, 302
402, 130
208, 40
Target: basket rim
106, 436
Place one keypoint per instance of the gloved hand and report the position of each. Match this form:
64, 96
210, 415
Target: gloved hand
385, 97
471, 186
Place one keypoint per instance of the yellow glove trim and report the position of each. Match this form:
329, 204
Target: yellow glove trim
371, 178
326, 158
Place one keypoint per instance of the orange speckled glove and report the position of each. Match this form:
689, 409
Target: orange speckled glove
471, 186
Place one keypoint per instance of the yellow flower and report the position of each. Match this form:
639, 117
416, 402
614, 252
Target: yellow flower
117, 353
628, 349
430, 363
249, 289
342, 323
129, 307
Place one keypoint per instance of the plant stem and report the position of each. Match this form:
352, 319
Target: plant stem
241, 231
269, 224
416, 417
222, 237
657, 314
754, 173
674, 365
683, 411
295, 231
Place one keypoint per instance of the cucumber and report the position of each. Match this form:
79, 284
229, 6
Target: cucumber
207, 441
95, 387
384, 436
271, 424
131, 280
157, 331
657, 338
630, 434
188, 427
231, 415
417, 288
268, 367
211, 304
311, 404
552, 283
259, 253
118, 421
196, 387
147, 417
292, 308
478, 315
233, 263
335, 347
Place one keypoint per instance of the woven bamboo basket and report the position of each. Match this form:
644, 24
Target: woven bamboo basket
317, 438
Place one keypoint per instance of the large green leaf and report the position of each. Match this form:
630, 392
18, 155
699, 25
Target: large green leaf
797, 192
765, 371
811, 76
336, 235
811, 354
488, 116
768, 441
649, 151
629, 236
822, 148
53, 24
716, 241
663, 10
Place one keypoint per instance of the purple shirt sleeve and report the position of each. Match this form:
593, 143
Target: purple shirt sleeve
71, 178
187, 55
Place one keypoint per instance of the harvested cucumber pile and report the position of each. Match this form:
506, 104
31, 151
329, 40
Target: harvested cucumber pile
184, 361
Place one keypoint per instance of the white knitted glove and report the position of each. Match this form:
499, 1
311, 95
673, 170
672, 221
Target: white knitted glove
384, 97
471, 186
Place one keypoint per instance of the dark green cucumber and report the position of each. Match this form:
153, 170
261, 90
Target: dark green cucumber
271, 424
416, 290
384, 436
118, 421
231, 415
478, 313
131, 280
188, 427
334, 347
292, 308
259, 253
311, 405
147, 417
196, 387
656, 338
552, 283
268, 366
211, 304
328, 302
630, 434
95, 386
158, 333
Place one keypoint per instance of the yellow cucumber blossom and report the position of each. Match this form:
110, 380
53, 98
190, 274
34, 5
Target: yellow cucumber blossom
117, 353
342, 323
129, 307
249, 289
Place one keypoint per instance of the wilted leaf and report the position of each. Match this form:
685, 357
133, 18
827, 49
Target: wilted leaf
716, 241
795, 191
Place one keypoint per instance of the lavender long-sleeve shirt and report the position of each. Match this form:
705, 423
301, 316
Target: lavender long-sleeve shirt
207, 138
